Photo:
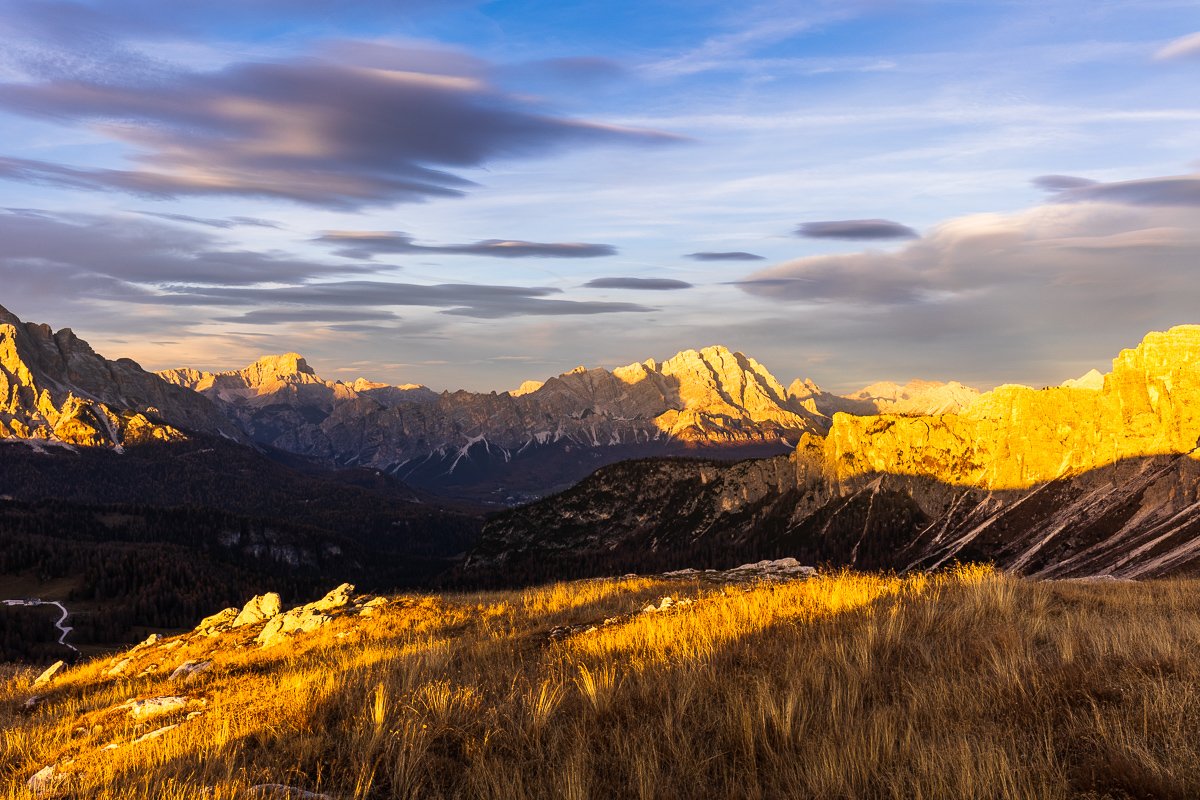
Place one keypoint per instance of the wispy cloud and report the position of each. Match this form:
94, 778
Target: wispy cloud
641, 284
736, 255
482, 301
378, 125
855, 229
224, 223
368, 244
1183, 47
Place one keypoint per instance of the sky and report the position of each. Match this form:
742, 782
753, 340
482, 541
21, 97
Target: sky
473, 194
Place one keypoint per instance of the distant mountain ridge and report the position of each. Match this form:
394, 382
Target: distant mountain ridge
504, 447
1056, 482
540, 437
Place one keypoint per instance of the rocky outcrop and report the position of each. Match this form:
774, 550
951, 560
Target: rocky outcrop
258, 609
1057, 482
55, 388
306, 618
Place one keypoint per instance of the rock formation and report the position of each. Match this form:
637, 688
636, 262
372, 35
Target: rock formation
55, 388
1015, 437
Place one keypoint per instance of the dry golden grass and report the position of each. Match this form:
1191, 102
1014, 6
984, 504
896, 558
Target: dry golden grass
967, 684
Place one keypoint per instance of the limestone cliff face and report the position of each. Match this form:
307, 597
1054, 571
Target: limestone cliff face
54, 387
1016, 437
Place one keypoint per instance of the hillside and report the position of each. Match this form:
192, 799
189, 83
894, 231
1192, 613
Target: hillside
1054, 482
961, 684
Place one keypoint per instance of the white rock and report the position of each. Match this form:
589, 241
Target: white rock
154, 706
154, 734
118, 668
218, 622
258, 609
50, 672
337, 598
44, 780
149, 641
190, 668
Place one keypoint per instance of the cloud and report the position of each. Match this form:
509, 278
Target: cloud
75, 21
649, 284
358, 126
276, 316
1061, 183
855, 229
460, 299
367, 244
133, 250
1171, 190
225, 223
1094, 256
1183, 47
736, 255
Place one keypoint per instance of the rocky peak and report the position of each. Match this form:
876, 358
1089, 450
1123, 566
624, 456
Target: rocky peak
54, 387
285, 368
1092, 379
527, 387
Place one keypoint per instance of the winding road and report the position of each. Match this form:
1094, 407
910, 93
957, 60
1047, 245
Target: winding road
63, 628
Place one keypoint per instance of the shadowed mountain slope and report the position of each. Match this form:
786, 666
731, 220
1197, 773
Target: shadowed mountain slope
1054, 482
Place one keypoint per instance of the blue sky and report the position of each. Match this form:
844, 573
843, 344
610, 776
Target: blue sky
423, 191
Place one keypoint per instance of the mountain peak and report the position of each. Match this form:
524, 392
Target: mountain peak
1092, 379
269, 369
53, 386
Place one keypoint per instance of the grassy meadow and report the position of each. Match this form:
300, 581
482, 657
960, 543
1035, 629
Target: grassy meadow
963, 684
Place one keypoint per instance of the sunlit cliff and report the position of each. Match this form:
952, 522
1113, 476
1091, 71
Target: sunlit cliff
1016, 437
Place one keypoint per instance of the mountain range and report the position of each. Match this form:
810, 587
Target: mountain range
546, 435
1097, 477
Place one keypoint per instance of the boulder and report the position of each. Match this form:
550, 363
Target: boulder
149, 641
337, 598
306, 618
190, 669
155, 706
218, 622
298, 620
260, 608
49, 673
44, 781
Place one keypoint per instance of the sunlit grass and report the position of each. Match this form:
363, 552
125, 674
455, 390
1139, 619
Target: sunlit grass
966, 683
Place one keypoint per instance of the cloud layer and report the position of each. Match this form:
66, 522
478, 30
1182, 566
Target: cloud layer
1088, 257
1171, 190
358, 126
